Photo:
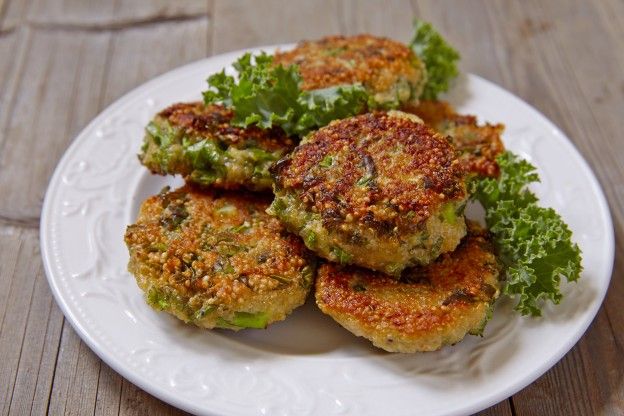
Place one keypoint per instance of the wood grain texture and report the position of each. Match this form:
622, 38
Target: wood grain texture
78, 66
63, 61
139, 54
237, 25
468, 28
30, 324
13, 44
76, 376
393, 20
501, 409
42, 118
120, 14
12, 15
9, 68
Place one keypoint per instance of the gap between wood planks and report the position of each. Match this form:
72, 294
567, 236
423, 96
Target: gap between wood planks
114, 26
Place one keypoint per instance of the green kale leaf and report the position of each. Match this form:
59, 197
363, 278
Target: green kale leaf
439, 58
266, 95
534, 243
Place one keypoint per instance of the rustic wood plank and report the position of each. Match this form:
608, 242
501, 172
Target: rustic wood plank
47, 366
59, 58
12, 51
501, 409
35, 369
238, 25
18, 278
13, 46
74, 14
468, 30
552, 81
393, 20
612, 14
75, 379
12, 14
599, 78
139, 54
57, 93
108, 397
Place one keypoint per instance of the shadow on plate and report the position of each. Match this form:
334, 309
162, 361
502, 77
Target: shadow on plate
307, 331
472, 359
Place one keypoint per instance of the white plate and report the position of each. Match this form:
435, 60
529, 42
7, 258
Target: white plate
306, 364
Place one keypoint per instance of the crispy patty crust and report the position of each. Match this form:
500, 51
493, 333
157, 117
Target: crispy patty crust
479, 145
198, 142
216, 259
429, 307
389, 70
380, 190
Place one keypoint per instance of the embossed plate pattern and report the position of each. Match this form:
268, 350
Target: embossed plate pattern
306, 364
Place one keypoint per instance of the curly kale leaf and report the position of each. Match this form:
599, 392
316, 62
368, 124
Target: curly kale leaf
439, 58
534, 243
266, 95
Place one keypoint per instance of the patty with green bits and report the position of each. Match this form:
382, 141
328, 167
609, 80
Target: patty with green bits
429, 307
380, 190
198, 142
389, 70
217, 260
478, 144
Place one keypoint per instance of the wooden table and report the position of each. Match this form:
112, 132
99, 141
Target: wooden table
63, 61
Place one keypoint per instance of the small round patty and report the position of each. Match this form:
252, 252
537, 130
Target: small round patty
216, 259
389, 70
198, 142
429, 307
478, 145
379, 190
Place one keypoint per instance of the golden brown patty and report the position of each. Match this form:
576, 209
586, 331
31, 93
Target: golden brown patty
388, 69
479, 145
428, 308
217, 259
198, 142
380, 190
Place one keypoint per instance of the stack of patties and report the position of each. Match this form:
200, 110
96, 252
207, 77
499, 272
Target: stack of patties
208, 252
378, 197
382, 197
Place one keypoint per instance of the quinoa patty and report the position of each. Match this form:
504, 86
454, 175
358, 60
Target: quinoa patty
428, 308
479, 145
379, 190
216, 259
389, 70
199, 143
